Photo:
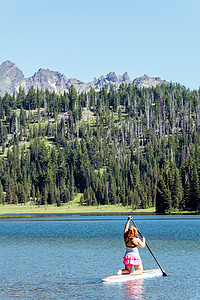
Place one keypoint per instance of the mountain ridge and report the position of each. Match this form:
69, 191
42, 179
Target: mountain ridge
11, 78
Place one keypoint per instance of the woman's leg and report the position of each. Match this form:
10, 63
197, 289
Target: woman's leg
138, 270
127, 270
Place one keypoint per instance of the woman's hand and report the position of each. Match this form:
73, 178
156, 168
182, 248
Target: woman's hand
130, 218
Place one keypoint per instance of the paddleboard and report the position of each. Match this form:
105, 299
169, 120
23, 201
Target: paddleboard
123, 278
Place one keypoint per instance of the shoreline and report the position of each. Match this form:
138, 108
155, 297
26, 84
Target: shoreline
72, 209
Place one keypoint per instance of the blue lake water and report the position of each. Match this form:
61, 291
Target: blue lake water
65, 257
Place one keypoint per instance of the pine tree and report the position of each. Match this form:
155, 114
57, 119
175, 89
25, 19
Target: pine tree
73, 98
176, 192
194, 203
9, 195
38, 196
1, 193
160, 199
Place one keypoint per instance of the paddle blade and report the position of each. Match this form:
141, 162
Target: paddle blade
164, 274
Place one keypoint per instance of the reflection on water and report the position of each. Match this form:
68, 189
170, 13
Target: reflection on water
134, 289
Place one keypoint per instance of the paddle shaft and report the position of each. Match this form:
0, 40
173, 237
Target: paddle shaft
164, 274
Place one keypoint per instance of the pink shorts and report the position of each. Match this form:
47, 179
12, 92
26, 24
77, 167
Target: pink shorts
130, 260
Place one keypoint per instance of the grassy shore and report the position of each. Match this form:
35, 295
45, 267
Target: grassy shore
73, 207
67, 208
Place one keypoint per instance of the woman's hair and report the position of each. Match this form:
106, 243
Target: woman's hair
131, 234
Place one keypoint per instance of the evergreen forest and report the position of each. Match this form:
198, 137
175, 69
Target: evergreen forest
133, 146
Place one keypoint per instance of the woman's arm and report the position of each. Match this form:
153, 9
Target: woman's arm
139, 242
127, 224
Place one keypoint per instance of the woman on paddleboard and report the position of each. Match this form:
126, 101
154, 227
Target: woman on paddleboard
132, 256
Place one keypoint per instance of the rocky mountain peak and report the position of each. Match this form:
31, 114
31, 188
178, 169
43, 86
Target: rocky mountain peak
112, 77
146, 81
118, 78
44, 78
10, 77
126, 77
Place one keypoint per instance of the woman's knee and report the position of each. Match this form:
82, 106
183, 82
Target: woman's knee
128, 268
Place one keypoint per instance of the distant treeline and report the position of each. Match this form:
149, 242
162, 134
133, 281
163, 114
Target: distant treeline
138, 147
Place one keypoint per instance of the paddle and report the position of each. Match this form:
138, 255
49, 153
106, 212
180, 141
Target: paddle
164, 274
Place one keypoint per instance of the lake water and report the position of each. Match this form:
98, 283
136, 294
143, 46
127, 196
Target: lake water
67, 256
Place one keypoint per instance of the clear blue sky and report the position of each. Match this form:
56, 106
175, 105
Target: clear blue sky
87, 39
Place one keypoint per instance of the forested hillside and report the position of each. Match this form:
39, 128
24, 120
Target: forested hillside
138, 147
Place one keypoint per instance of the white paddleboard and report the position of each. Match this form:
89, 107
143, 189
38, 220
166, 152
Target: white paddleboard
123, 278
